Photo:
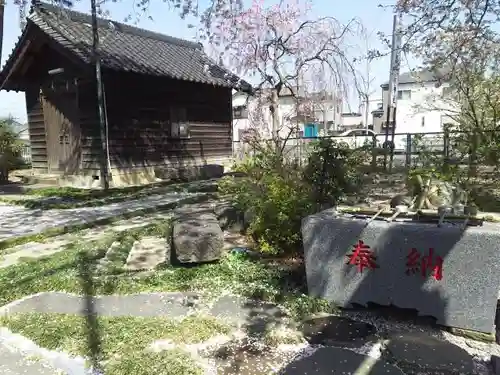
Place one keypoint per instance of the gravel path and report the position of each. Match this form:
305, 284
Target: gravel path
13, 362
16, 221
55, 244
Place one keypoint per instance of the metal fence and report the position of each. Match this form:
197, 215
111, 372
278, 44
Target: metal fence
408, 148
26, 154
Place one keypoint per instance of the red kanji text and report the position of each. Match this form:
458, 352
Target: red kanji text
416, 263
362, 257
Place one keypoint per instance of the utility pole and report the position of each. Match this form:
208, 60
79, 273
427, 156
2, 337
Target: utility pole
100, 97
392, 95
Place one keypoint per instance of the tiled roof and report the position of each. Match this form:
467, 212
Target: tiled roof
127, 48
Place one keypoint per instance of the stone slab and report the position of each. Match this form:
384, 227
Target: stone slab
230, 218
465, 296
171, 305
33, 250
337, 361
254, 315
414, 351
15, 363
337, 331
198, 240
148, 253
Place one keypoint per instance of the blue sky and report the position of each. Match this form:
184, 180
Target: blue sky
165, 20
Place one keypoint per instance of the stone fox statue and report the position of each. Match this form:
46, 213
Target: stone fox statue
430, 195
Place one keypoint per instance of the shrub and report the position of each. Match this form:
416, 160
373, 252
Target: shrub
275, 196
277, 192
10, 150
333, 170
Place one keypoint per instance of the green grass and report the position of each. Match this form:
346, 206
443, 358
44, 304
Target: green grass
73, 269
123, 340
97, 197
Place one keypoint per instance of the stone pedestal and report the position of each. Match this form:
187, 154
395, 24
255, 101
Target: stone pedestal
449, 273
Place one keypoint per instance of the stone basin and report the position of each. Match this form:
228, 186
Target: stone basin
449, 272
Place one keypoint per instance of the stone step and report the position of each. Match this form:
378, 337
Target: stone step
147, 254
113, 254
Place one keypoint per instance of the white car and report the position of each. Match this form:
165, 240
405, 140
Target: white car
359, 137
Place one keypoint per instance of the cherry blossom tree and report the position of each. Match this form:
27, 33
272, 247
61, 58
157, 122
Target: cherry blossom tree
450, 33
280, 47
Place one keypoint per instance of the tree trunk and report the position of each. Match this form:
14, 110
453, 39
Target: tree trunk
473, 157
275, 121
274, 114
367, 111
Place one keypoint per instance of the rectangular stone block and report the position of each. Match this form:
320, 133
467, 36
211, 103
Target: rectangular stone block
451, 274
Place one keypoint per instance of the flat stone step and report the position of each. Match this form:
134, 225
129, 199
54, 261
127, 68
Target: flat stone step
339, 361
15, 363
417, 352
173, 305
337, 331
148, 253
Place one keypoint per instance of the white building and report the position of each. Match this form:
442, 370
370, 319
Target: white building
419, 105
351, 120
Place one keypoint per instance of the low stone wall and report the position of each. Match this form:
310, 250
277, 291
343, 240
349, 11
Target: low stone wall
448, 273
121, 177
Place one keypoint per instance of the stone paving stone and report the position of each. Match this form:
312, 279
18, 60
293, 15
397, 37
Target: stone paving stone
33, 250
254, 315
148, 253
339, 361
244, 360
112, 254
175, 304
336, 331
15, 363
414, 352
418, 351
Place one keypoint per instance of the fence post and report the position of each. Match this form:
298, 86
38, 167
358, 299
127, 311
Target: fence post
446, 150
374, 153
473, 154
408, 151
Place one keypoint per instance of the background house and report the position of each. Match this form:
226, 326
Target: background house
378, 118
415, 113
351, 120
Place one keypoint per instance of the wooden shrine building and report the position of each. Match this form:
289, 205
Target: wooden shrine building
167, 105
